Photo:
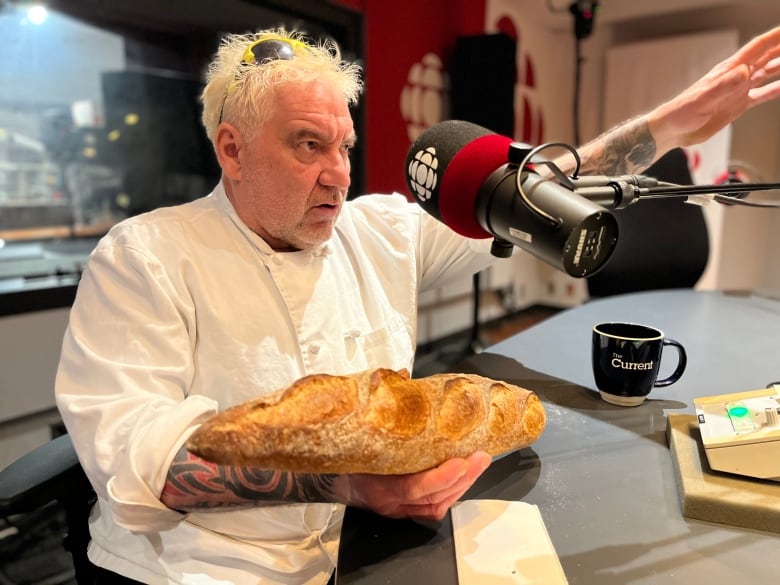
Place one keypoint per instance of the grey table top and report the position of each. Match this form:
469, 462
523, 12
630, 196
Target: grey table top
602, 475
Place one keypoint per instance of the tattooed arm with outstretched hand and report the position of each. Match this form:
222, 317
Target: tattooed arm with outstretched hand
728, 90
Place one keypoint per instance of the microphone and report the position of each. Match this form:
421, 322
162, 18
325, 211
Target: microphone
476, 182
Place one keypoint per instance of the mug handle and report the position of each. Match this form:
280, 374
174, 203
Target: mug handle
682, 361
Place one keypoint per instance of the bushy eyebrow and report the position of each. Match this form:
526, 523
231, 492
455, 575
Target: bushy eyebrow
304, 133
311, 134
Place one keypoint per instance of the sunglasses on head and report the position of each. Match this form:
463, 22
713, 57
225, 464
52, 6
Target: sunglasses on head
264, 51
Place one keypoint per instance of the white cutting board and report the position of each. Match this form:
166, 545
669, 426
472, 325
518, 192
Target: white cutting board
503, 543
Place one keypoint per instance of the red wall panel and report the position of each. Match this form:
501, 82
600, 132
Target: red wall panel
397, 36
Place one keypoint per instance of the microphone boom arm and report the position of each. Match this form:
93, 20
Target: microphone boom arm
624, 190
619, 193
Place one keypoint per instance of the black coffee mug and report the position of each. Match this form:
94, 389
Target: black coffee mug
626, 361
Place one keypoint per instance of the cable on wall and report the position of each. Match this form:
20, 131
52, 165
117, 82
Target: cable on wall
584, 12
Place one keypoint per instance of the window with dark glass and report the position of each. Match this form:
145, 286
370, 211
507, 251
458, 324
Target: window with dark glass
100, 117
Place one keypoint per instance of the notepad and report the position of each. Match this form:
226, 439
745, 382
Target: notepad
503, 543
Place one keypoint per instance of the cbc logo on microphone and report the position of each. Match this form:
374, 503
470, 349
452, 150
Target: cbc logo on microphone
422, 173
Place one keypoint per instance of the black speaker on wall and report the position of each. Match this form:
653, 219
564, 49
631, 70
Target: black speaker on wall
483, 75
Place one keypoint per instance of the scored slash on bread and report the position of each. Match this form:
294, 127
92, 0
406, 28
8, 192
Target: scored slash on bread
379, 421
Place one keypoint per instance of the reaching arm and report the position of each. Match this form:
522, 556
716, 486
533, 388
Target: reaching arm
194, 483
626, 149
727, 91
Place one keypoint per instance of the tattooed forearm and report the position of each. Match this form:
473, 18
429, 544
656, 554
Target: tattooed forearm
626, 149
194, 483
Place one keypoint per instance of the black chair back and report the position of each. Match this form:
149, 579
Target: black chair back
662, 243
52, 473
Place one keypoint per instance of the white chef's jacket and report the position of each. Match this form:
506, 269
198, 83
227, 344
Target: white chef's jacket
184, 311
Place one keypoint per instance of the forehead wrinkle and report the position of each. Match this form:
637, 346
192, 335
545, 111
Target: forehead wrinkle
323, 127
314, 103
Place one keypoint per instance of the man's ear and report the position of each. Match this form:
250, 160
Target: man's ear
228, 145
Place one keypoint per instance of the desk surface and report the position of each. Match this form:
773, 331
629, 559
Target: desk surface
41, 275
602, 475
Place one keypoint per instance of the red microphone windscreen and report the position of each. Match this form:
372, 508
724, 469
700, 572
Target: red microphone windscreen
465, 175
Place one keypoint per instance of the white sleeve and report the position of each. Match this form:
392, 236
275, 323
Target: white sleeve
443, 256
122, 382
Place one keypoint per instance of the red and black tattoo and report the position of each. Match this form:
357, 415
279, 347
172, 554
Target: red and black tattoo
194, 483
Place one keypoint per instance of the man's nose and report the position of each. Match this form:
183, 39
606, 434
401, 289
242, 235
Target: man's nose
335, 171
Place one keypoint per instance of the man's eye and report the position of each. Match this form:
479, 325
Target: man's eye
309, 145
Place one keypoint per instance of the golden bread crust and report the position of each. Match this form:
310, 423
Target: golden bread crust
379, 421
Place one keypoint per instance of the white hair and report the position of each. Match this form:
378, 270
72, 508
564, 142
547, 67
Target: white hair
239, 92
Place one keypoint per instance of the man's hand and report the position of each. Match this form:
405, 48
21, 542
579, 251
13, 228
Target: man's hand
194, 483
426, 495
728, 90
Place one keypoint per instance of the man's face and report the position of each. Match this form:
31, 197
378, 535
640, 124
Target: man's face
294, 173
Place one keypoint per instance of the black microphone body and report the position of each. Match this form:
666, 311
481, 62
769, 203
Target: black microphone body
578, 242
466, 176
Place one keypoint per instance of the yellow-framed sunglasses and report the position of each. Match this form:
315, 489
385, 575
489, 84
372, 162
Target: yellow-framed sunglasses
263, 51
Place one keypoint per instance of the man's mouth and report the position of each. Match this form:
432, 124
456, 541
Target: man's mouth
326, 210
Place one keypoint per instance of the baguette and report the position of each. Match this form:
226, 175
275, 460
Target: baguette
379, 421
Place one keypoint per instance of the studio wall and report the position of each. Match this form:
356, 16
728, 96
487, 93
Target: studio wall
408, 47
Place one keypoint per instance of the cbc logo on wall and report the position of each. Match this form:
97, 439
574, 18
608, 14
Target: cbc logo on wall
425, 97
